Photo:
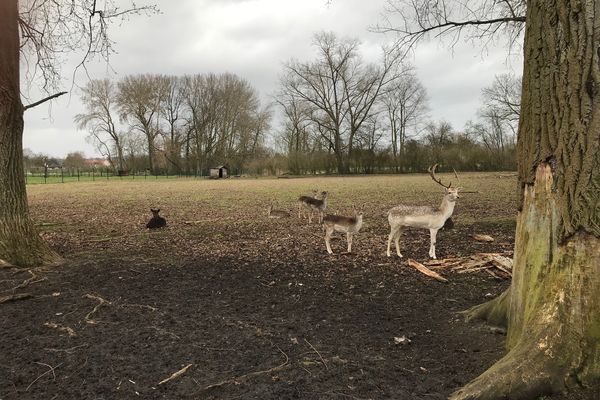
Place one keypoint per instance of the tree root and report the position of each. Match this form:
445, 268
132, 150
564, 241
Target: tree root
524, 373
15, 297
494, 312
88, 317
242, 378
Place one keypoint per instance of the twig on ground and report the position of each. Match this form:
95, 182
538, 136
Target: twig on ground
61, 328
15, 297
242, 378
88, 318
51, 369
28, 281
426, 271
176, 374
319, 354
140, 306
70, 350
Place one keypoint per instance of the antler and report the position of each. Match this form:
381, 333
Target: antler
431, 171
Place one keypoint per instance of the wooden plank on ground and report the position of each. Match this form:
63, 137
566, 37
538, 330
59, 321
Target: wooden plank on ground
426, 271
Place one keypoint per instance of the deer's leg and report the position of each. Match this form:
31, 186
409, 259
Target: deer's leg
397, 241
310, 216
394, 234
299, 210
349, 240
433, 234
328, 232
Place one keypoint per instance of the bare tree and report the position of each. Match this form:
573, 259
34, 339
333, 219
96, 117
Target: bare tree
340, 91
139, 100
475, 20
502, 100
171, 111
38, 33
405, 104
552, 308
99, 99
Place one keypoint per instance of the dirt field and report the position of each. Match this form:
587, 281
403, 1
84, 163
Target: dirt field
255, 307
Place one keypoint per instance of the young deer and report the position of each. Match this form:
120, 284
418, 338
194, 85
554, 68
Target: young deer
318, 205
303, 202
156, 221
422, 216
347, 225
276, 213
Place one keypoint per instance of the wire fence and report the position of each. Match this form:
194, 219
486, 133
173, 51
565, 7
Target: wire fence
62, 175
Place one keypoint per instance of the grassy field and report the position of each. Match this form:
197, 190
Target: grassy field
256, 306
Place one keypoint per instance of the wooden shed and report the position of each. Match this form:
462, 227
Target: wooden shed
218, 172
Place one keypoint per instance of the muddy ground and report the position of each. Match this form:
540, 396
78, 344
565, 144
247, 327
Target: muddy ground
254, 308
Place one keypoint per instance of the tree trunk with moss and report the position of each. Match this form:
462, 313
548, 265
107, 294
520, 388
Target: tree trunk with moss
552, 309
20, 243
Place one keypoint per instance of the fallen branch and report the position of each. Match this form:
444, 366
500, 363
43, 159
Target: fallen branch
244, 377
61, 328
176, 374
15, 297
51, 369
102, 302
319, 354
70, 350
482, 238
28, 281
426, 271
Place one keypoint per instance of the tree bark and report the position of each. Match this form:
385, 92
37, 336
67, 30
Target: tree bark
552, 309
20, 243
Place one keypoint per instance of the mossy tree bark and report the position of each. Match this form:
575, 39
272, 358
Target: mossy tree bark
552, 309
20, 243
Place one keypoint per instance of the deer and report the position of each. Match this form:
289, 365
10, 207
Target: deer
318, 205
423, 216
347, 225
156, 221
303, 202
276, 213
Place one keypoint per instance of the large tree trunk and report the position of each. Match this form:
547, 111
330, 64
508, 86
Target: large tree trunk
552, 308
20, 243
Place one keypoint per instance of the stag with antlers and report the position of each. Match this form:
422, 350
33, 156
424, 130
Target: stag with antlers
422, 216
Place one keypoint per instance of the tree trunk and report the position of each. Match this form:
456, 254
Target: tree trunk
552, 309
20, 243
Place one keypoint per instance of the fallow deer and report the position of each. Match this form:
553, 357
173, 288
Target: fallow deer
156, 221
303, 202
276, 213
347, 225
317, 205
423, 216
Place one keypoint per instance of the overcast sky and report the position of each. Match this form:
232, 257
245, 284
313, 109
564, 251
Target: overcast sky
253, 38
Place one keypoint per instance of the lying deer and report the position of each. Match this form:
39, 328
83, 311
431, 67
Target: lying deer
347, 225
316, 205
156, 221
276, 213
422, 216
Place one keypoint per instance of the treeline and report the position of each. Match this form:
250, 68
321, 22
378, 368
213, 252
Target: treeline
337, 113
344, 115
175, 124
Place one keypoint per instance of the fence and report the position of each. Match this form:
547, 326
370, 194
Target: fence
61, 175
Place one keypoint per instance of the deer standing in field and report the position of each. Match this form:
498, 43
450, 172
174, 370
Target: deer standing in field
316, 205
347, 225
422, 216
303, 202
